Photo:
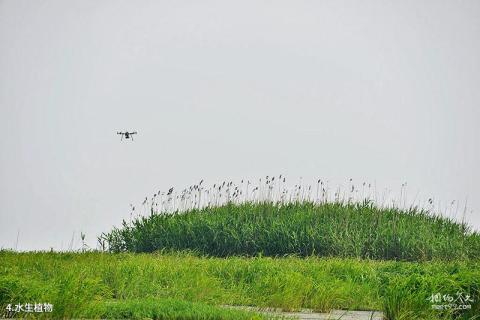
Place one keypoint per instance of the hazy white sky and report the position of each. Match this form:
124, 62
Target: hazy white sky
385, 91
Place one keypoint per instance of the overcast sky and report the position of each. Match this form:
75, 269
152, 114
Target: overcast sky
385, 91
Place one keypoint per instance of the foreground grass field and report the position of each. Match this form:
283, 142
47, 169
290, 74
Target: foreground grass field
359, 230
186, 286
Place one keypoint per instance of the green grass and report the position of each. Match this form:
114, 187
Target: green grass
303, 229
186, 286
162, 309
298, 255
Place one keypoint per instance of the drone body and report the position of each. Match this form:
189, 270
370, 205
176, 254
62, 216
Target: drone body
127, 134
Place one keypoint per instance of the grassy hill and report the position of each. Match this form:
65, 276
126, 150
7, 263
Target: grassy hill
187, 264
359, 230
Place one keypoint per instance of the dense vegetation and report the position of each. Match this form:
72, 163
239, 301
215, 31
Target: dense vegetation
263, 246
338, 229
185, 286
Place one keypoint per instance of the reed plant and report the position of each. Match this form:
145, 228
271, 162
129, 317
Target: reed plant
341, 229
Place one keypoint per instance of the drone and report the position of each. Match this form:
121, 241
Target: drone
127, 134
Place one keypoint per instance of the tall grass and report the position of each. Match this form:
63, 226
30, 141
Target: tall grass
276, 190
185, 286
340, 229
